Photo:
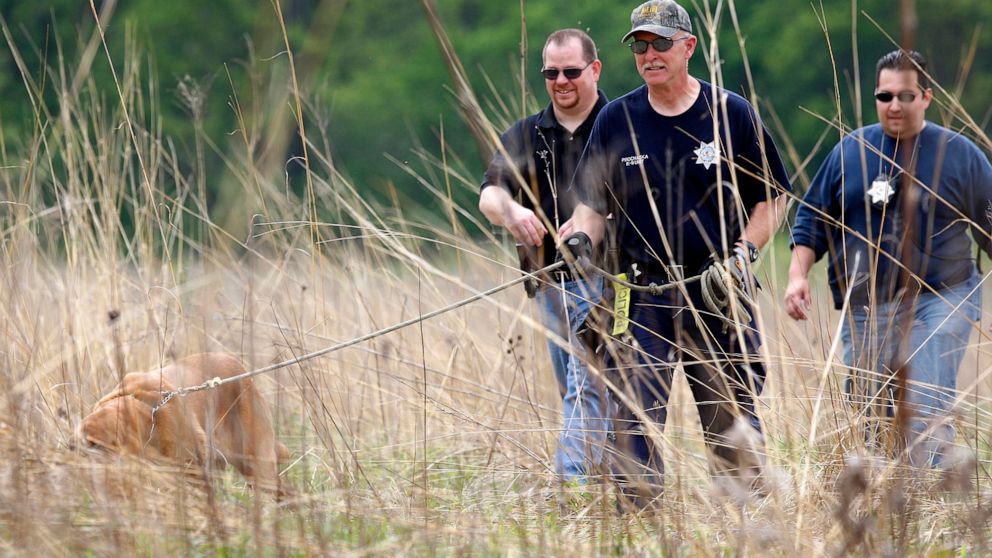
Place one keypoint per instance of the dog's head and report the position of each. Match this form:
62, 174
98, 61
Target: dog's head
122, 424
123, 421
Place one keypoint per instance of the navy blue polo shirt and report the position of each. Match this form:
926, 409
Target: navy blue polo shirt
839, 217
545, 154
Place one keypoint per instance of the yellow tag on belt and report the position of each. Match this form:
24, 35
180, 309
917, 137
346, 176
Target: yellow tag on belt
621, 306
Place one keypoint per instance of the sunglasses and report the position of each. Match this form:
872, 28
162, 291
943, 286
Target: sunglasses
551, 74
661, 44
903, 96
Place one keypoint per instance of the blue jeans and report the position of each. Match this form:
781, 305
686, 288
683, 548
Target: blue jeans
937, 342
584, 405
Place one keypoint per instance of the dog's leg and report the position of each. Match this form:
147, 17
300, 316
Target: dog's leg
257, 437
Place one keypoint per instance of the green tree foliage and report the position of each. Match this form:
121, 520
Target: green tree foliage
373, 77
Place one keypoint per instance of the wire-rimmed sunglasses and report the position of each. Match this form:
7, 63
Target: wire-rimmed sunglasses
661, 44
903, 96
551, 74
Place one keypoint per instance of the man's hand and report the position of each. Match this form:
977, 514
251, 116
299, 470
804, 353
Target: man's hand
524, 225
576, 250
502, 210
717, 292
738, 264
797, 298
567, 228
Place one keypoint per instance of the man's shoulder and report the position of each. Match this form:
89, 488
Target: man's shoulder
955, 139
528, 122
524, 129
621, 106
859, 137
631, 97
734, 102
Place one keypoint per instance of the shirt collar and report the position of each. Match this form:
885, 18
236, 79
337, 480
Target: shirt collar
547, 119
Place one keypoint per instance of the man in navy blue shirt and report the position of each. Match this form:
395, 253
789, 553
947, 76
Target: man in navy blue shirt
536, 164
694, 183
890, 207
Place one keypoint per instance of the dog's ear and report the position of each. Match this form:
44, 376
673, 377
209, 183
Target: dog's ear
178, 434
117, 392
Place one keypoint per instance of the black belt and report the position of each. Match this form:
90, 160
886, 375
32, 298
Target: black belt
562, 274
649, 272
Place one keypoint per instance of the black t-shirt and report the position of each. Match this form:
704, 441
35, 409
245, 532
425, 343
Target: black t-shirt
669, 184
545, 155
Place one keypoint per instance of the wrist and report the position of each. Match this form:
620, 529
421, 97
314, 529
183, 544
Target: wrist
748, 249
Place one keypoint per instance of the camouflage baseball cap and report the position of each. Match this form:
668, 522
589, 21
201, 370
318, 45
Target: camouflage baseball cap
661, 17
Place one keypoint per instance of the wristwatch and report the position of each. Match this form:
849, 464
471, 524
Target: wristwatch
750, 249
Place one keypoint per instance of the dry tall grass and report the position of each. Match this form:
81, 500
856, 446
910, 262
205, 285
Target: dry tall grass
437, 439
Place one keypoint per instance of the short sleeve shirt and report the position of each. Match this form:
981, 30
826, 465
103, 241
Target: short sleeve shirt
543, 154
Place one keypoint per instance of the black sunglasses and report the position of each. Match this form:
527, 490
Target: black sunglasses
551, 74
903, 96
661, 44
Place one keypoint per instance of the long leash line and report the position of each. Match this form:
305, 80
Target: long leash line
216, 382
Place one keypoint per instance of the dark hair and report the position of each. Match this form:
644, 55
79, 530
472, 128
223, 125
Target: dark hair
562, 36
904, 61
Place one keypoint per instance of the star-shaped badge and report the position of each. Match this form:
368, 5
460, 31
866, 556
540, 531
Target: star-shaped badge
881, 191
707, 154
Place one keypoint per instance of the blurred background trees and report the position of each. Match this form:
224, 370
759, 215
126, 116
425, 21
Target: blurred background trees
374, 83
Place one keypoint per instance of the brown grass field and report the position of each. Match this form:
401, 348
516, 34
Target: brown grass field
433, 440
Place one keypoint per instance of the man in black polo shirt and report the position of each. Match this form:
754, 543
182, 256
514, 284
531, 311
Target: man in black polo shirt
541, 152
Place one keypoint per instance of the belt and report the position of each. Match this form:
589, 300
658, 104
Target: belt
562, 274
649, 272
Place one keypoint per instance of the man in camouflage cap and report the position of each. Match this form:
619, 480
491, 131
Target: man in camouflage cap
662, 17
694, 182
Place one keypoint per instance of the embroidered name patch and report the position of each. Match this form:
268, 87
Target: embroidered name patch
633, 160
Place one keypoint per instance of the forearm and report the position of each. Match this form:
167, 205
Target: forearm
803, 258
494, 203
587, 220
765, 219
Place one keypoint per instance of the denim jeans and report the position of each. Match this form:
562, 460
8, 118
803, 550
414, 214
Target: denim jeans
937, 342
584, 405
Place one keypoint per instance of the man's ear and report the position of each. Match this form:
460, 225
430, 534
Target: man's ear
690, 47
597, 68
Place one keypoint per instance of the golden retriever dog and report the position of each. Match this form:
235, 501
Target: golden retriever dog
227, 424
